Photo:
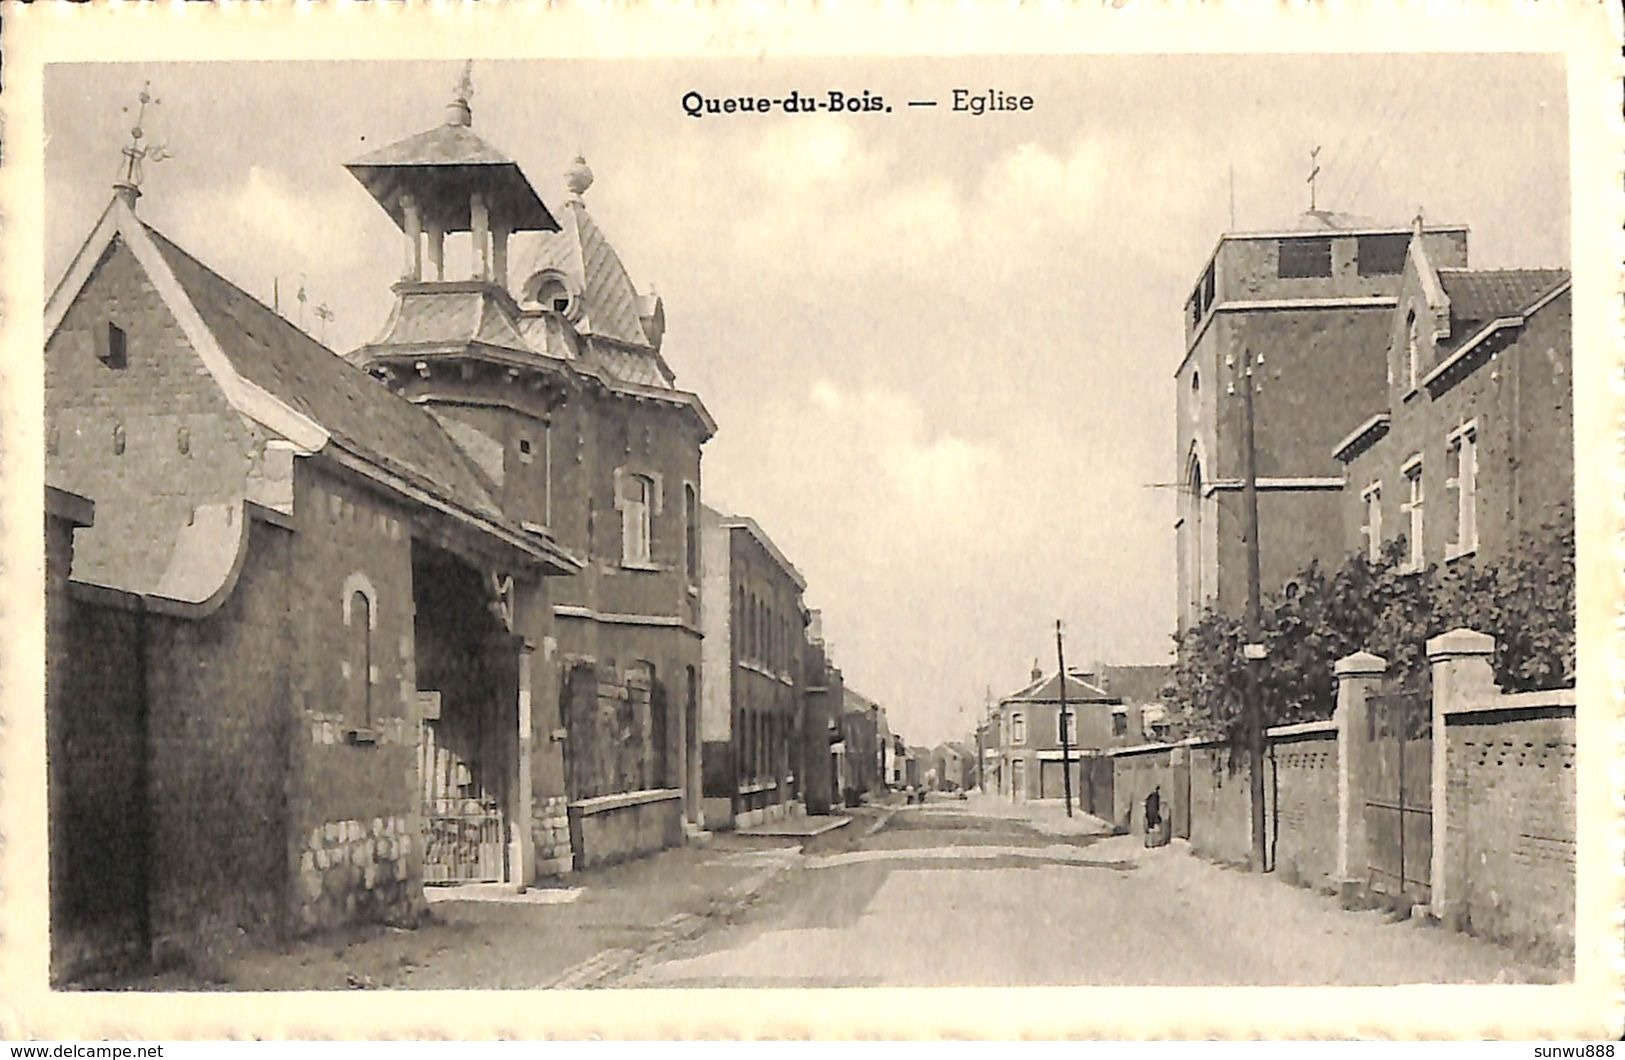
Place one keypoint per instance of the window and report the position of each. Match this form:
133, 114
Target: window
1412, 353
525, 454
1372, 530
1119, 724
1413, 508
1018, 728
112, 348
1304, 258
1065, 726
691, 531
361, 659
637, 508
1462, 468
1382, 255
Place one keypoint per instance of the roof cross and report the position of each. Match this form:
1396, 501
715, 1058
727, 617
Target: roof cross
1314, 171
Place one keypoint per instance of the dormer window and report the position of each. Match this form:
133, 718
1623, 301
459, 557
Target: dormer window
551, 290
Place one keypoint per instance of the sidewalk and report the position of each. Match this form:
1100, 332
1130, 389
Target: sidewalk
477, 943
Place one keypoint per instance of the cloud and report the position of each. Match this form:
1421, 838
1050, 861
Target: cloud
304, 222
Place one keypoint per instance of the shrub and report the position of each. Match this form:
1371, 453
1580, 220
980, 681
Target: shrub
1525, 601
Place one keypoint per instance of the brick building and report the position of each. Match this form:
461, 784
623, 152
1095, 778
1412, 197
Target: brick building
550, 377
1030, 755
955, 766
1472, 443
860, 746
284, 560
755, 634
823, 694
1316, 303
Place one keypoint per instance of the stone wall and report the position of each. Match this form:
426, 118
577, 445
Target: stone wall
613, 828
219, 731
1136, 772
96, 757
1302, 766
1510, 843
550, 831
352, 870
1221, 803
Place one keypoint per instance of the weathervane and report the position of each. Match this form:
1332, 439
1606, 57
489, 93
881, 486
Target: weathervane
135, 154
465, 82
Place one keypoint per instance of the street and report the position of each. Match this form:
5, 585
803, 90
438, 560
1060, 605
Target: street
977, 892
982, 892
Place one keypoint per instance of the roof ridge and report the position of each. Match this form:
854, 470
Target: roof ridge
359, 376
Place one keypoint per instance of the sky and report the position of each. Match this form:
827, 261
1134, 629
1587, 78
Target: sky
939, 347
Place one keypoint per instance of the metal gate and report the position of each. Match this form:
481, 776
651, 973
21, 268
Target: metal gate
1397, 779
463, 826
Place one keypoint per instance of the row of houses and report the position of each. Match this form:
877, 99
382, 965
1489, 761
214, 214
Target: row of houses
1029, 740
449, 608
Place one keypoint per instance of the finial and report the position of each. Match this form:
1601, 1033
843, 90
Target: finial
458, 111
578, 178
129, 188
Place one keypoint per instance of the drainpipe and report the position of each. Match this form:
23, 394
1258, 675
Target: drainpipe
523, 855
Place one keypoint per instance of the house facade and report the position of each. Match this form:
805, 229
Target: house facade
823, 694
1030, 753
1472, 444
544, 364
284, 567
860, 746
753, 703
1316, 304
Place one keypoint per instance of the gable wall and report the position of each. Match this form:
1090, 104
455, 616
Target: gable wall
145, 493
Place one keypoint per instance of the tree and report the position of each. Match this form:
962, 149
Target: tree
1525, 600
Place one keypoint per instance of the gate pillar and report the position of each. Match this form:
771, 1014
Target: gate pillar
1463, 670
1358, 677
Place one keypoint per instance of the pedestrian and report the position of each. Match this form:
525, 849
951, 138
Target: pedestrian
1153, 817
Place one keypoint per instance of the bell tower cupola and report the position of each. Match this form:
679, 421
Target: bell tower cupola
448, 181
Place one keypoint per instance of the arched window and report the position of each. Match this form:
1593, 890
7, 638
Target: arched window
361, 659
1194, 587
1412, 353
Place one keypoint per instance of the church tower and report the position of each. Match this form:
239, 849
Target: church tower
551, 377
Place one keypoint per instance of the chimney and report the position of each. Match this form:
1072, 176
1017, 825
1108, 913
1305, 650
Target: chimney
1037, 673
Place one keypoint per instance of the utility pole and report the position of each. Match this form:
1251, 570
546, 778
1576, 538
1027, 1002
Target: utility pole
1066, 735
1253, 650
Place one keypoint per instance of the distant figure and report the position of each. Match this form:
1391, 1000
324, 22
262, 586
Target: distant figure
1153, 818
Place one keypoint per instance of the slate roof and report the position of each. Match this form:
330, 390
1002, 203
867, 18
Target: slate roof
440, 166
1478, 296
444, 145
1138, 684
448, 318
1047, 689
354, 408
580, 251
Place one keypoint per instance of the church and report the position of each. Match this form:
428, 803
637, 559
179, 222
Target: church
323, 629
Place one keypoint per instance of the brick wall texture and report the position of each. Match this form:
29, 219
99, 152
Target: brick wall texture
1304, 790
1511, 838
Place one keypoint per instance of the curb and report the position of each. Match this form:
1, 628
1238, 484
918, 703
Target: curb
882, 821
599, 969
